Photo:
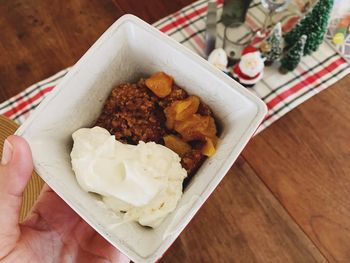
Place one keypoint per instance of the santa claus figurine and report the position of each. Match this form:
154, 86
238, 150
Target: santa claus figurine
250, 68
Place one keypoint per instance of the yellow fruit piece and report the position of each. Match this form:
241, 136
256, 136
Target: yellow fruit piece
181, 110
215, 140
209, 148
160, 84
197, 127
176, 144
170, 117
186, 108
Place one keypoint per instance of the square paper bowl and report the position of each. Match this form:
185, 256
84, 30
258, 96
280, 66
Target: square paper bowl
128, 50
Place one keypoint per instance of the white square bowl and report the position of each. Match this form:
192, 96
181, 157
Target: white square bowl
128, 50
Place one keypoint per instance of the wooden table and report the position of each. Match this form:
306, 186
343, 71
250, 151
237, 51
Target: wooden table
286, 199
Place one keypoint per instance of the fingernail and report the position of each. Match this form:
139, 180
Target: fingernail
6, 153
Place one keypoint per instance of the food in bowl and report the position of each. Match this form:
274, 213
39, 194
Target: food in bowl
142, 181
144, 112
148, 138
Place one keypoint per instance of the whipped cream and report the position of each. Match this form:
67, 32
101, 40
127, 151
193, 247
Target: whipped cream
143, 181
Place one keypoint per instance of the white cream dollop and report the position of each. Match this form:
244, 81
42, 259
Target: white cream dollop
144, 181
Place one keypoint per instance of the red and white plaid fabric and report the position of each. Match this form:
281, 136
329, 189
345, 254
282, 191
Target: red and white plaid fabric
281, 93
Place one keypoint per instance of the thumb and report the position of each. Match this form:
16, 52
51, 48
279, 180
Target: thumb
15, 171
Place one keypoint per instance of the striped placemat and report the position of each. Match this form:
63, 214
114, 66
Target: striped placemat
281, 93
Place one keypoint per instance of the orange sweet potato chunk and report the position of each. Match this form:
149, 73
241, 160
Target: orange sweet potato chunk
197, 127
170, 117
180, 110
176, 144
160, 84
209, 146
184, 109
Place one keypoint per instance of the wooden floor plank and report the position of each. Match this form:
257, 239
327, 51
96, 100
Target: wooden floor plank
39, 37
242, 222
151, 10
304, 159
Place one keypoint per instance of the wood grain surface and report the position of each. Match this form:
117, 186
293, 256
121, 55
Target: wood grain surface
39, 38
151, 10
304, 159
286, 199
243, 222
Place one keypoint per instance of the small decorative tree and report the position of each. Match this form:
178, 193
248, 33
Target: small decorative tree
292, 58
313, 25
275, 43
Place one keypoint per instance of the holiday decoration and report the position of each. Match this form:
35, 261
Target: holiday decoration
234, 12
313, 25
274, 42
342, 30
272, 6
218, 58
250, 68
292, 58
303, 5
338, 33
265, 48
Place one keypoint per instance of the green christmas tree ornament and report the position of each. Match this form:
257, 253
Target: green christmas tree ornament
292, 58
313, 25
274, 41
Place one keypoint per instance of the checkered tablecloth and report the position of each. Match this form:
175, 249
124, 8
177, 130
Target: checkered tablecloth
281, 93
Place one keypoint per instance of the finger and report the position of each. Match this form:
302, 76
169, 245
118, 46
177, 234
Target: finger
15, 171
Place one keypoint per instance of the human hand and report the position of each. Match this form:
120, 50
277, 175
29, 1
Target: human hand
52, 232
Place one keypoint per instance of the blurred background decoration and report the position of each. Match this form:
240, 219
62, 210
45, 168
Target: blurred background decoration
283, 31
338, 33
